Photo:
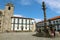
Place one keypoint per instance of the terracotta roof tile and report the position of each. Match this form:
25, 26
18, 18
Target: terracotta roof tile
54, 18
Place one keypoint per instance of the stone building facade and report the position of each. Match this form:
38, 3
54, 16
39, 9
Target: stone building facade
52, 22
22, 24
6, 16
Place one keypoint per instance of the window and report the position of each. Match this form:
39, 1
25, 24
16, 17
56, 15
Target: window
54, 22
0, 26
0, 13
9, 8
0, 22
16, 25
20, 26
24, 27
20, 20
31, 26
12, 27
12, 20
31, 22
43, 24
16, 20
51, 22
24, 21
59, 27
59, 21
27, 27
27, 21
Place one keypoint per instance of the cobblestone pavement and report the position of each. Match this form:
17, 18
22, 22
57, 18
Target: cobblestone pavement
23, 36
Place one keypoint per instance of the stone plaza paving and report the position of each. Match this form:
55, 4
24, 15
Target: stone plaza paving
23, 36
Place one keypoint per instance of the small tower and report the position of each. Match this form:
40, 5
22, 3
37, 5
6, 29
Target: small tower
8, 12
9, 8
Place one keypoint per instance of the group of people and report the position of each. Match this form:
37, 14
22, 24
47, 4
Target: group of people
52, 30
49, 30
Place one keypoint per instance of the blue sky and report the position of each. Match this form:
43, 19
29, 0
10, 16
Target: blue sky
33, 8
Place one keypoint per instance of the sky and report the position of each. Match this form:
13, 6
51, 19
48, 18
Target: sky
33, 8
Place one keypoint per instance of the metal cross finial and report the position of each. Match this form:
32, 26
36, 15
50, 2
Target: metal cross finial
43, 5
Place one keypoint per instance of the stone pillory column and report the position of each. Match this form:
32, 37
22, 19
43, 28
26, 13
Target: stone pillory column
44, 10
46, 28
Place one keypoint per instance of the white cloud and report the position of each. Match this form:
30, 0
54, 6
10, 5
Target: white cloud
18, 15
38, 20
22, 2
26, 2
52, 4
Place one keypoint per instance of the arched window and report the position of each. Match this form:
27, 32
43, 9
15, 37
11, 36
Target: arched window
0, 13
9, 8
0, 26
0, 23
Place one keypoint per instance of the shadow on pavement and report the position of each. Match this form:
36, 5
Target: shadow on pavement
42, 35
